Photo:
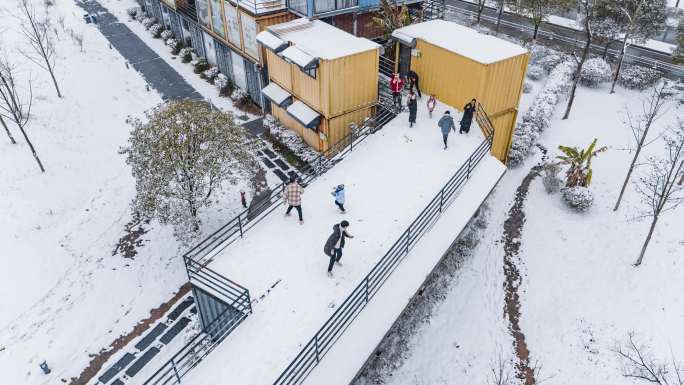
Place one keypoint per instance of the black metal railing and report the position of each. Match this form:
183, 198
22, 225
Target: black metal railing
226, 290
332, 329
484, 122
203, 252
323, 6
192, 353
257, 7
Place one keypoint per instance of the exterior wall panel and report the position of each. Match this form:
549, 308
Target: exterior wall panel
279, 70
352, 82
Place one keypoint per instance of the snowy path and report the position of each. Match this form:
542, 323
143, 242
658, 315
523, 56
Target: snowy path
389, 178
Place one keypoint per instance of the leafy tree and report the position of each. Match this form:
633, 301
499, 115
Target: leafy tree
631, 20
179, 156
579, 161
391, 17
538, 10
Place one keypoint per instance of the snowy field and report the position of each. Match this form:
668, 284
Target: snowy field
65, 296
580, 294
389, 178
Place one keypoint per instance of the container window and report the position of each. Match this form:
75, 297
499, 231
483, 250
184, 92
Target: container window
311, 72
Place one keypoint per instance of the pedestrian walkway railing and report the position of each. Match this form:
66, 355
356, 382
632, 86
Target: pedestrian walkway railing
484, 122
207, 249
312, 353
173, 370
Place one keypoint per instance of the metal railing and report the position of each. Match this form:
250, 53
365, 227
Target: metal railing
673, 69
322, 6
257, 7
332, 329
484, 122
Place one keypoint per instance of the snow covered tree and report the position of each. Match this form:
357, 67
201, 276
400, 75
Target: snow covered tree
639, 364
651, 110
9, 134
588, 14
37, 31
538, 10
631, 20
500, 4
16, 102
181, 154
659, 187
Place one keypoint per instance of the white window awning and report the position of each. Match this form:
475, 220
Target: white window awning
299, 57
277, 95
404, 38
271, 41
304, 114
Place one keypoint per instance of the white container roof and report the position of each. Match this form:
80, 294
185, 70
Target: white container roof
321, 40
276, 94
271, 41
299, 57
303, 114
461, 40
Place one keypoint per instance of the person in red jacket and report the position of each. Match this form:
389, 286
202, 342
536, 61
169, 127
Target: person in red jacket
396, 85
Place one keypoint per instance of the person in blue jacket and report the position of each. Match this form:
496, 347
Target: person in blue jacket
446, 124
338, 193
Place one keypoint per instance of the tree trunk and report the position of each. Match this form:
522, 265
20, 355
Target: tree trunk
631, 169
2, 121
536, 30
54, 81
648, 240
619, 66
498, 17
605, 50
33, 150
480, 9
578, 73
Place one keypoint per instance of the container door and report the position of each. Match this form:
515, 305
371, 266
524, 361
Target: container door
209, 47
196, 38
404, 59
253, 83
223, 59
239, 71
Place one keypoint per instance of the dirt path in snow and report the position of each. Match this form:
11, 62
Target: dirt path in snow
513, 227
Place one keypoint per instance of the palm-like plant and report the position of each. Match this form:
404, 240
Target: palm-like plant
579, 161
391, 17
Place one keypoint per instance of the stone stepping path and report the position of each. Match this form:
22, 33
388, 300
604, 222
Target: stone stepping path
116, 368
150, 337
175, 329
141, 362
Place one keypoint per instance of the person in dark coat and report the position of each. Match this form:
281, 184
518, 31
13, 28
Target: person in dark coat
413, 82
335, 243
467, 119
446, 124
412, 104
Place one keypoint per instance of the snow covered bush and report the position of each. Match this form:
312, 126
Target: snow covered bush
224, 85
537, 118
209, 74
579, 198
148, 22
179, 155
527, 88
595, 72
535, 72
241, 98
133, 12
200, 64
186, 54
291, 140
141, 16
552, 183
174, 44
638, 78
166, 34
156, 30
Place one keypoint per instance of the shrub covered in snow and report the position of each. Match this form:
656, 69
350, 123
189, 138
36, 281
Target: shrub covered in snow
537, 118
200, 64
156, 30
133, 12
291, 140
242, 98
209, 74
140, 16
639, 78
174, 44
527, 88
595, 71
166, 35
224, 85
535, 72
148, 22
579, 198
552, 183
186, 54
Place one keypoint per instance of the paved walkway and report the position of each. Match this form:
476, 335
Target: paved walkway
161, 76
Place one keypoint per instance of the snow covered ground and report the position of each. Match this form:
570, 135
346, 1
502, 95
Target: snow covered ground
64, 295
580, 294
389, 178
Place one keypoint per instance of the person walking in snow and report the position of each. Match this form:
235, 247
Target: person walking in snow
335, 243
396, 85
431, 103
338, 193
446, 124
413, 82
466, 120
412, 104
293, 198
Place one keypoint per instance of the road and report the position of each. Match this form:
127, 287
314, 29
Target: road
561, 36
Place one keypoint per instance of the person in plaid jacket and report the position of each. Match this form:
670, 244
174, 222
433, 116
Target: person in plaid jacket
293, 197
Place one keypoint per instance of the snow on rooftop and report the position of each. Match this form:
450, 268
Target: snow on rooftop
298, 57
303, 113
275, 93
271, 41
320, 39
462, 40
